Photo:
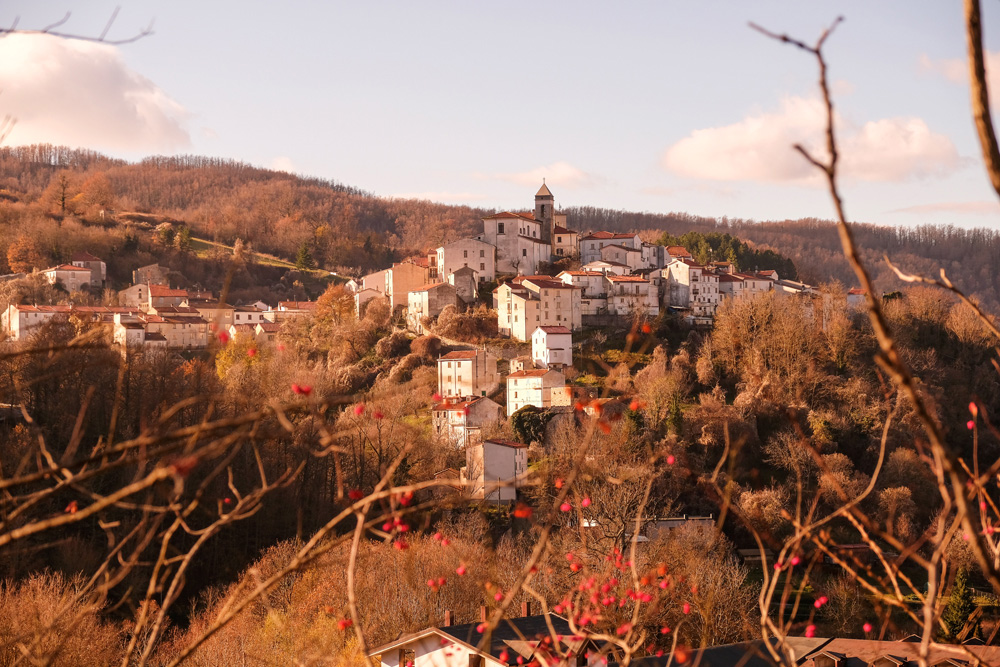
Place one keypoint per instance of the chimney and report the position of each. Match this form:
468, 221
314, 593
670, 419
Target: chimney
447, 618
482, 614
525, 609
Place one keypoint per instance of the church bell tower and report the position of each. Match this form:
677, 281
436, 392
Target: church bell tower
545, 205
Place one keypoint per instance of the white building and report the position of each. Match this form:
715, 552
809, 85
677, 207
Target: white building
631, 295
494, 469
460, 422
523, 240
533, 387
428, 301
565, 242
593, 290
98, 269
692, 286
467, 373
537, 301
477, 255
515, 639
552, 347
602, 266
621, 254
71, 277
591, 244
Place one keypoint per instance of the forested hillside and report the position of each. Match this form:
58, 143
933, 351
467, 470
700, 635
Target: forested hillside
349, 229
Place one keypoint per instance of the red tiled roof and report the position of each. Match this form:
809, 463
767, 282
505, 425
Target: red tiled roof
84, 257
457, 405
621, 247
549, 283
297, 305
163, 290
730, 278
460, 354
606, 235
675, 250
508, 214
424, 288
269, 327
507, 443
555, 330
533, 373
66, 267
559, 229
857, 291
626, 279
423, 262
583, 273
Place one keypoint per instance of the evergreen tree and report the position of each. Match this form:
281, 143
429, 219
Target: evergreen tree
182, 240
960, 605
304, 259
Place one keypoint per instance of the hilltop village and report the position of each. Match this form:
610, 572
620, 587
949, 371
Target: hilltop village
539, 282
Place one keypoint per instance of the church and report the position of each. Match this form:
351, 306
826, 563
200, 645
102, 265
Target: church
524, 240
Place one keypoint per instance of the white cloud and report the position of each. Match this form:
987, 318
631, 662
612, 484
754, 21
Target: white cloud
759, 148
559, 174
80, 93
283, 163
897, 149
956, 70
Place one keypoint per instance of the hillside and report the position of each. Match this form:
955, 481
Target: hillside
349, 230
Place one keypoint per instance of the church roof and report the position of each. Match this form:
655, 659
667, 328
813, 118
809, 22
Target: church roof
543, 191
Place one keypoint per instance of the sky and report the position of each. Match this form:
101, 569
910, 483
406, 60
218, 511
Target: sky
661, 106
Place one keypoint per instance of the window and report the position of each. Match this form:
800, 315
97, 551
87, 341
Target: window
465, 253
482, 267
524, 252
500, 228
482, 253
558, 239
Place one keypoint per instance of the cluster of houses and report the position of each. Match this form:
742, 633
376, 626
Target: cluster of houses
620, 276
151, 314
469, 380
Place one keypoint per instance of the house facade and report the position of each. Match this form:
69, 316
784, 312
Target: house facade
552, 347
631, 295
467, 373
494, 469
475, 254
591, 244
621, 254
98, 269
532, 387
72, 278
460, 422
428, 301
401, 279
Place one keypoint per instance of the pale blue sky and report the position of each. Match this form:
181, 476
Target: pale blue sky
659, 106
